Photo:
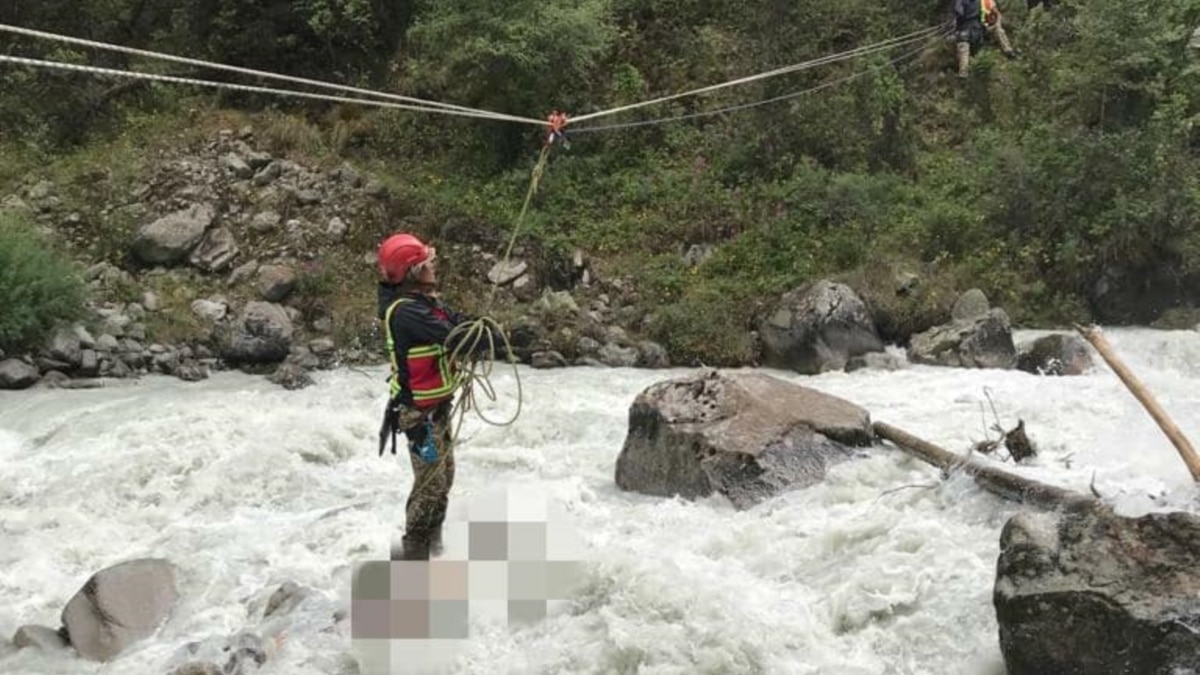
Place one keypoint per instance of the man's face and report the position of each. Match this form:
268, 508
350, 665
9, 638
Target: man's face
428, 274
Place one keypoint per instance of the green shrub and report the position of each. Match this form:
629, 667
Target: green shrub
39, 287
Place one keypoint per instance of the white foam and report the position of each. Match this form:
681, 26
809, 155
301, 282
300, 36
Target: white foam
234, 479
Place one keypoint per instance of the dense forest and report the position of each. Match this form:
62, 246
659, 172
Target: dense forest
1063, 183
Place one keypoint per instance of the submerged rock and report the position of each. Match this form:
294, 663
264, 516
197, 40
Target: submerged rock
1056, 355
198, 668
1097, 593
291, 376
745, 436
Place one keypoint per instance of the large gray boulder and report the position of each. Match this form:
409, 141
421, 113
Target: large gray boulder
65, 346
982, 342
1056, 354
261, 334
818, 327
171, 238
16, 374
746, 436
119, 606
1090, 592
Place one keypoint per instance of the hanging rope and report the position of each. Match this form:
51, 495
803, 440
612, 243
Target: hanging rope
425, 105
469, 336
473, 365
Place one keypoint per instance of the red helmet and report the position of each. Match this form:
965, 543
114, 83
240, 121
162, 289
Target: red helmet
401, 254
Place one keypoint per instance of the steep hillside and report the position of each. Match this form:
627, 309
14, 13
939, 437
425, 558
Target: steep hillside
1063, 183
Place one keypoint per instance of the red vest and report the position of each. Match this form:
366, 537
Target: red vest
430, 376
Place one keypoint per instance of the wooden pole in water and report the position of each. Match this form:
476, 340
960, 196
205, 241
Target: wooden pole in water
1001, 483
1139, 391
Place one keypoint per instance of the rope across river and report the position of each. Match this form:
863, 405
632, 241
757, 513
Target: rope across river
469, 357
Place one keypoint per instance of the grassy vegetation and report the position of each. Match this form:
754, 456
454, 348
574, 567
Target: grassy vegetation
39, 286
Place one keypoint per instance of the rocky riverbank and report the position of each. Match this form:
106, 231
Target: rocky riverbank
222, 255
226, 256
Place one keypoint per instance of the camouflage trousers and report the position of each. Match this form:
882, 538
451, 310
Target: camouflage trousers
429, 498
970, 38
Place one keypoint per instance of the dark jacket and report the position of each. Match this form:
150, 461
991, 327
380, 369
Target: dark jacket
966, 11
426, 321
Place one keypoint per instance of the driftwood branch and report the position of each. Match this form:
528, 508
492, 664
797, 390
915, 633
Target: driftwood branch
1001, 483
1143, 395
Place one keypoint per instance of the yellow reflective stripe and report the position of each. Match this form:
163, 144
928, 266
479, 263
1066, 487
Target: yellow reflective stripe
394, 380
425, 351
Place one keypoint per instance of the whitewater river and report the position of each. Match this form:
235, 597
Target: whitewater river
237, 481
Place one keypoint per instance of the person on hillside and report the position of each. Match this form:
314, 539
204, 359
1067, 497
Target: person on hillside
558, 124
972, 19
416, 326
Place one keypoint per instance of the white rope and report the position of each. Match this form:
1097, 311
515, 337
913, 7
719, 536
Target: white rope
257, 73
224, 85
755, 104
860, 51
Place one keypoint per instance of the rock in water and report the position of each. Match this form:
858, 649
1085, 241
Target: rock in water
291, 376
818, 328
983, 342
745, 436
198, 668
120, 605
39, 637
16, 374
1095, 593
1056, 354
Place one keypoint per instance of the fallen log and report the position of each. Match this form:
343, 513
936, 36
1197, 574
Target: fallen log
1001, 483
1143, 395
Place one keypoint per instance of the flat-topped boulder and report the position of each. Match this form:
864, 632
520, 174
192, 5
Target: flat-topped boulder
747, 437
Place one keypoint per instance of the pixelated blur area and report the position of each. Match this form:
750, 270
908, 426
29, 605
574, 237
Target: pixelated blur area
511, 558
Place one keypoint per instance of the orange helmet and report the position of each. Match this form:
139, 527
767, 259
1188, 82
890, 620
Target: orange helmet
402, 254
